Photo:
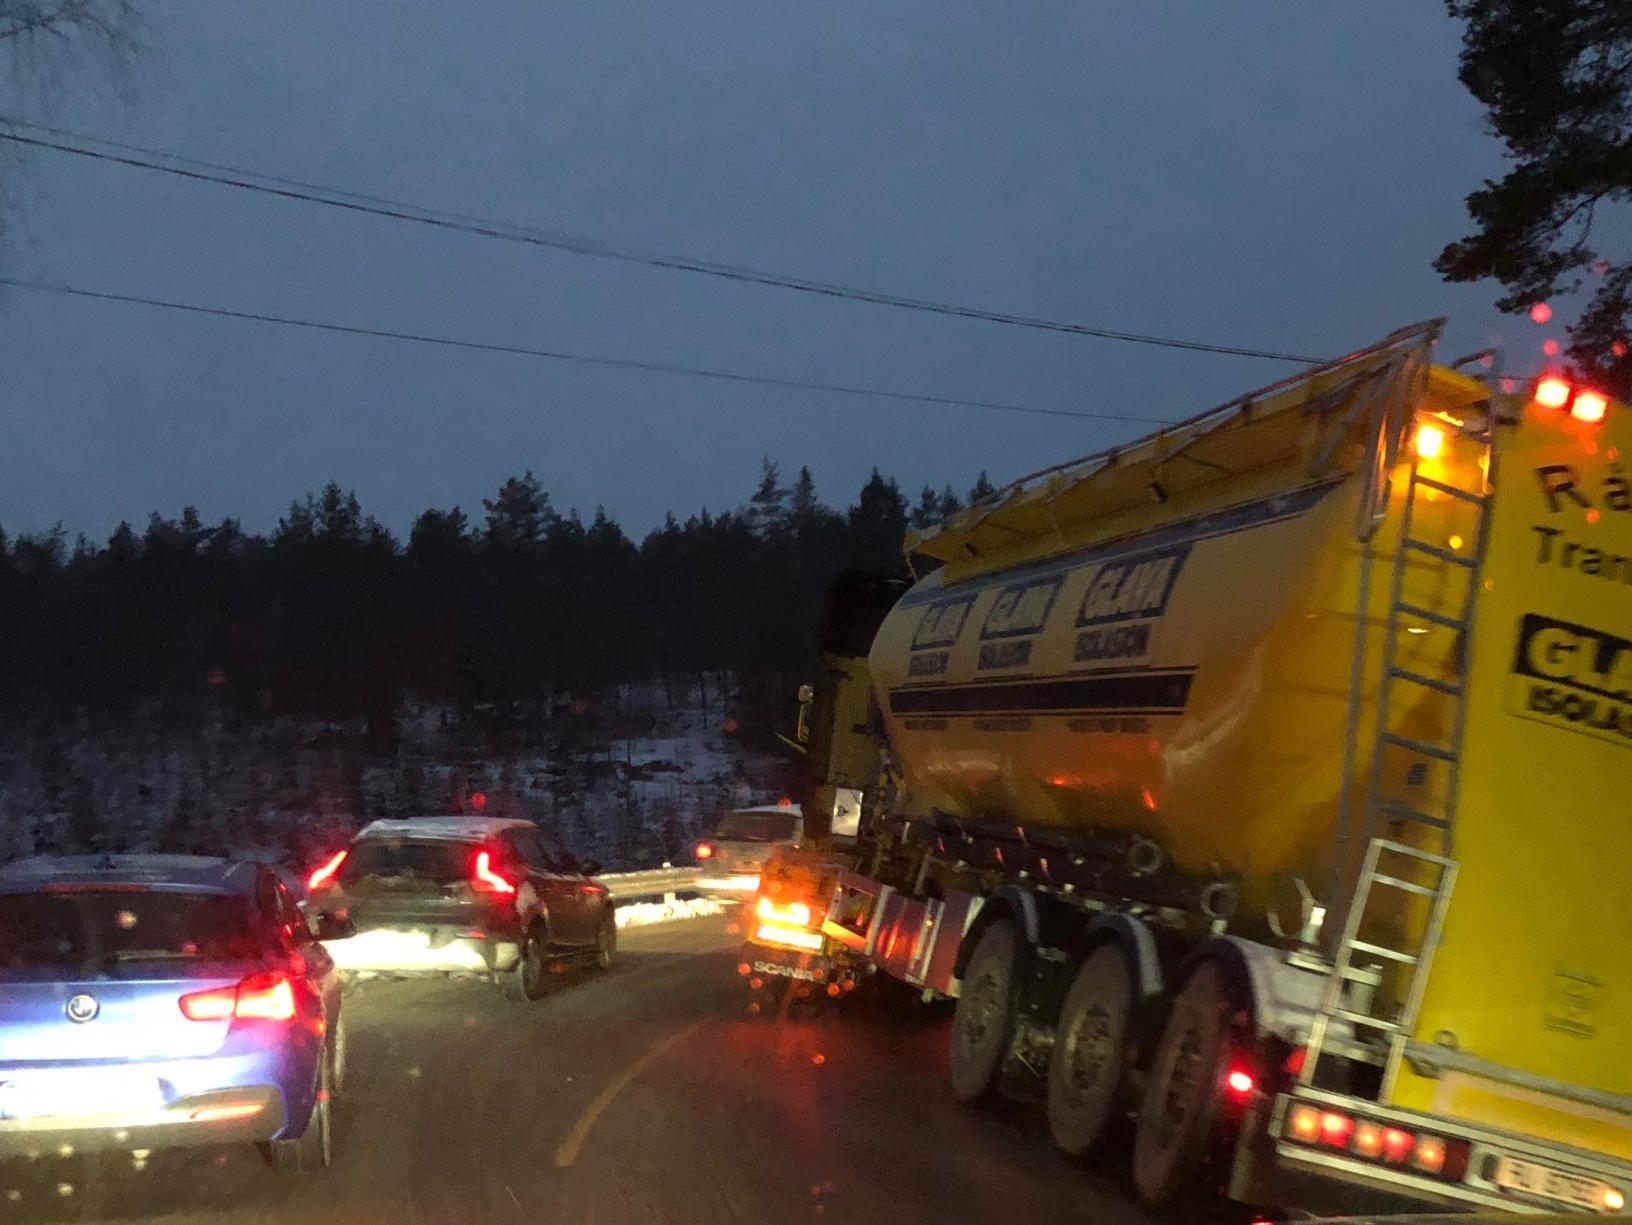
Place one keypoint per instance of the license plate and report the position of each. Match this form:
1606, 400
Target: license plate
78, 1092
1543, 1181
785, 971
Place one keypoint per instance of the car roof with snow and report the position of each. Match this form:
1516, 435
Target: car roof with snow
454, 829
204, 873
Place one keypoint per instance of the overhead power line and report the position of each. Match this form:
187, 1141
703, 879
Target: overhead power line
143, 157
592, 359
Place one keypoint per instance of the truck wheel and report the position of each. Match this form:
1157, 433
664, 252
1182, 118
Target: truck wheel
983, 1022
1087, 1074
1179, 1113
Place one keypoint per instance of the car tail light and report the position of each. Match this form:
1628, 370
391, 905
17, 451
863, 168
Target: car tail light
705, 850
1240, 1082
484, 879
324, 876
260, 997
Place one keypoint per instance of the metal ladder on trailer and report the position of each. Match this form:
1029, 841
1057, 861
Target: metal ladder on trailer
1378, 1034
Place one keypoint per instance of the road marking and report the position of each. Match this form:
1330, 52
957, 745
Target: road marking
568, 1152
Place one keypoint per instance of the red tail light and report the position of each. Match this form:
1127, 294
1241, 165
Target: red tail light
705, 850
484, 879
1240, 1082
260, 997
324, 876
1553, 393
1589, 406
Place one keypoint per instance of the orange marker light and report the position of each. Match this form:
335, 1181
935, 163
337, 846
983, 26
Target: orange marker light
1552, 393
1304, 1124
1397, 1144
1430, 441
1589, 406
1368, 1140
1430, 1154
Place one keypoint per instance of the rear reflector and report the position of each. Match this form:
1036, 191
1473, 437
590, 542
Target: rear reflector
226, 1111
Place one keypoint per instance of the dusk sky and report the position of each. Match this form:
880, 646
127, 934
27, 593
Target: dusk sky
1275, 175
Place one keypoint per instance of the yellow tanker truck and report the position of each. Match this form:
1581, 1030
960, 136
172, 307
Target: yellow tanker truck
1264, 782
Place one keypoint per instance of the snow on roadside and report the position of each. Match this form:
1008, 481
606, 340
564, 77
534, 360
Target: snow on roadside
643, 914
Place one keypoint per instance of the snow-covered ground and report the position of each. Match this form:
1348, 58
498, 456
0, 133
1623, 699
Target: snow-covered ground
629, 786
641, 914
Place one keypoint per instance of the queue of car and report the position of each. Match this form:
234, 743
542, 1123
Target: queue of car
158, 1001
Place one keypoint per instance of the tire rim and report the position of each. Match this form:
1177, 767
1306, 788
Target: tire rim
1181, 1083
1088, 1047
981, 1015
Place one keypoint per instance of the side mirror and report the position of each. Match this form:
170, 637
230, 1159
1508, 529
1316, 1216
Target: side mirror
333, 927
590, 867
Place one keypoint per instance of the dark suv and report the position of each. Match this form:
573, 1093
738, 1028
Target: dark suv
463, 897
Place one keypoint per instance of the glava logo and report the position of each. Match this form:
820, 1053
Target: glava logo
1020, 609
1586, 659
1133, 587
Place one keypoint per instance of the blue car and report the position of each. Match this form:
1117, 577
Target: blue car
159, 1001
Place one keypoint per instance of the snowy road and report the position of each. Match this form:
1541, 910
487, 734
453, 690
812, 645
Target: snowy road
642, 1096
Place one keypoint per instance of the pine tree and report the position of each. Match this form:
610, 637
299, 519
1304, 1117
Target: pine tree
928, 511
768, 507
981, 489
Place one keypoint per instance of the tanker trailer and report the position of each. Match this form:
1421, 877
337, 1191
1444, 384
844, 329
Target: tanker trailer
1260, 782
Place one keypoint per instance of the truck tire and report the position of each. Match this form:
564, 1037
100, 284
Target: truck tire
1179, 1112
983, 1022
1087, 1072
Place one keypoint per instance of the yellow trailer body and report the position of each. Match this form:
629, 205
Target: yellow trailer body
1526, 1023
1184, 647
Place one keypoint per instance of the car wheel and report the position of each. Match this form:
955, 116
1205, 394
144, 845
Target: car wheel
530, 979
606, 941
313, 1149
339, 1058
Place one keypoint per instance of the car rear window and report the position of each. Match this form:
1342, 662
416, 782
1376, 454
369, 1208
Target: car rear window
433, 861
94, 927
757, 826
